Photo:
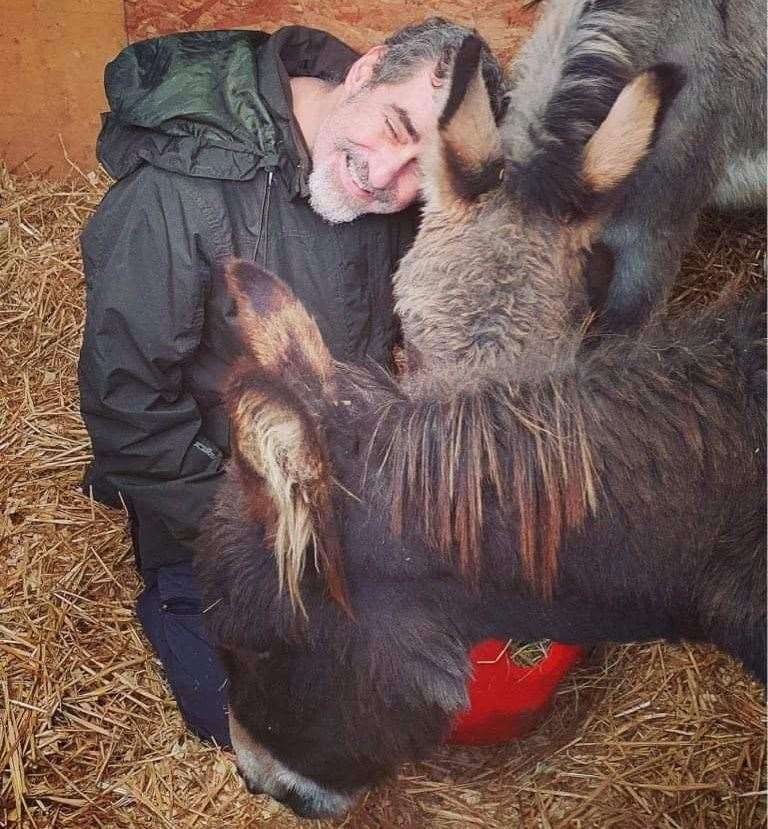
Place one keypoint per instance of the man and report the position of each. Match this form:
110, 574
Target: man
290, 150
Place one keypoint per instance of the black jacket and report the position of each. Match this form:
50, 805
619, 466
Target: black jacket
210, 164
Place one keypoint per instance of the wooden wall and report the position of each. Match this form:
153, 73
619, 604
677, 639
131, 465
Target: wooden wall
54, 54
51, 68
361, 23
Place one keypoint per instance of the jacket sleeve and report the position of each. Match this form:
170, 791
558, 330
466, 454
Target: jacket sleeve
146, 282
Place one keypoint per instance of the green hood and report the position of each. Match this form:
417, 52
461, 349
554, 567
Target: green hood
214, 104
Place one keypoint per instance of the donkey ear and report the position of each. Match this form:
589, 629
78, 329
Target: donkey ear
275, 327
274, 437
594, 132
467, 160
628, 132
446, 688
275, 434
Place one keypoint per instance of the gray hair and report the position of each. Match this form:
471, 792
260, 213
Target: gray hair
435, 41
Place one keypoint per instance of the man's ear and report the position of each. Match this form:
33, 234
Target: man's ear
361, 70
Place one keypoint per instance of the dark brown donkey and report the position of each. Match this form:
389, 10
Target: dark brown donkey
620, 496
615, 492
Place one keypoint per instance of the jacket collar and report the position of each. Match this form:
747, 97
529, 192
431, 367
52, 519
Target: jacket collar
297, 51
215, 104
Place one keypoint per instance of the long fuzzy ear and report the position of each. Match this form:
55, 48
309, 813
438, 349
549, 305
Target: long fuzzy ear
466, 160
577, 160
628, 132
412, 651
275, 437
275, 327
273, 408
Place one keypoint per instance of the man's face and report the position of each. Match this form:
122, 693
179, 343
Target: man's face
365, 155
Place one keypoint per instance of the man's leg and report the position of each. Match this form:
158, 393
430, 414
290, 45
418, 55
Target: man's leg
170, 613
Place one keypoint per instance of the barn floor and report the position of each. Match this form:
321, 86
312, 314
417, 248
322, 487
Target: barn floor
642, 736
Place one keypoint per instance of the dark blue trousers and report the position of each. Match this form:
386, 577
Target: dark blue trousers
170, 613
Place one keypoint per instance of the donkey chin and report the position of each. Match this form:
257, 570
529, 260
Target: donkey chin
263, 774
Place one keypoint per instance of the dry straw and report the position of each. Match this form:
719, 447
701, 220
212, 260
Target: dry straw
643, 736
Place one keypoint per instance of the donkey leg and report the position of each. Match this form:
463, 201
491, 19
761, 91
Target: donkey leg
742, 186
746, 643
756, 661
647, 254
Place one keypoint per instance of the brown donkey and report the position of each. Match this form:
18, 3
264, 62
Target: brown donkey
619, 496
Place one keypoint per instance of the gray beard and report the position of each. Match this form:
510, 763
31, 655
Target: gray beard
328, 200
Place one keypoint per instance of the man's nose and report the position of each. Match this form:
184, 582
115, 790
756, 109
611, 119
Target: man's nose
384, 168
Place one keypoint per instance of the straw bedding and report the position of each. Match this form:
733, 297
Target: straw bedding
640, 736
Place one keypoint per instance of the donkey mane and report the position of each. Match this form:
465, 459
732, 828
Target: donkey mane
437, 455
535, 448
594, 56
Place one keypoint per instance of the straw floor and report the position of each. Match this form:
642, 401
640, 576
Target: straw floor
643, 736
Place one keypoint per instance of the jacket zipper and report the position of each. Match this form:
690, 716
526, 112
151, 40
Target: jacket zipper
264, 215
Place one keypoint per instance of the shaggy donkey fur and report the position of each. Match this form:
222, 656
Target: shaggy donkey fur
494, 274
710, 150
490, 281
639, 465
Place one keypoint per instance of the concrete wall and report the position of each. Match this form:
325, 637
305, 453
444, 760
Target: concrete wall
54, 52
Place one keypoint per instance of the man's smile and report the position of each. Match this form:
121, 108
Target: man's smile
352, 181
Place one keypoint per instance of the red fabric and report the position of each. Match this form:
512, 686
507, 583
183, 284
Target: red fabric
507, 700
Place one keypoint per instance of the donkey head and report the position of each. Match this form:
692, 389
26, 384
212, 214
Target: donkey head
335, 676
498, 265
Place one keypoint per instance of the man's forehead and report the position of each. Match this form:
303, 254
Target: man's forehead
417, 101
